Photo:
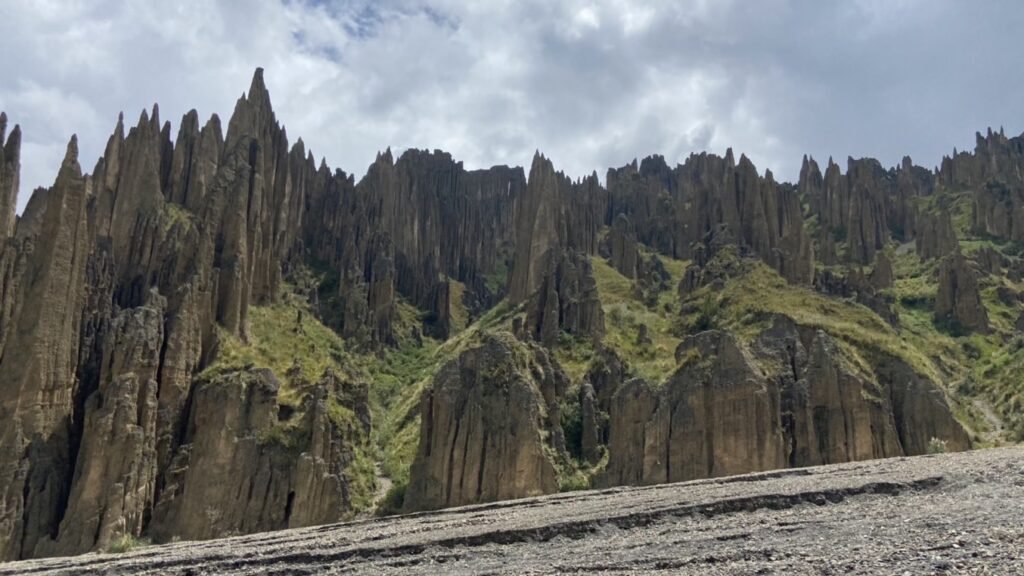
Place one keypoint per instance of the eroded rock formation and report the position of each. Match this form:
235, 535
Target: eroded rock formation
490, 427
673, 209
244, 467
121, 289
958, 299
10, 165
792, 399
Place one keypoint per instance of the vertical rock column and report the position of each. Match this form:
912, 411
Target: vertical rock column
10, 151
38, 358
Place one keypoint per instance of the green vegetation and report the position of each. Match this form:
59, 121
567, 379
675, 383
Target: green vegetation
980, 371
177, 214
399, 376
747, 303
625, 314
286, 338
126, 543
495, 282
937, 446
460, 315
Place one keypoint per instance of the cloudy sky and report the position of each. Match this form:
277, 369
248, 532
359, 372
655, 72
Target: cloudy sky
591, 83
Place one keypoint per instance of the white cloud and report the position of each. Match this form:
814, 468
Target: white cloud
593, 83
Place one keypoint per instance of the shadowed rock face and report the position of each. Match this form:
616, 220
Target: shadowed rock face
115, 475
622, 249
43, 270
673, 209
116, 288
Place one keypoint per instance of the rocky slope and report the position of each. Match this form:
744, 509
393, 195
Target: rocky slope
943, 514
212, 334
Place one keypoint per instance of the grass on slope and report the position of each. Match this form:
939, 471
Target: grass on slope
624, 314
981, 369
286, 338
401, 375
746, 304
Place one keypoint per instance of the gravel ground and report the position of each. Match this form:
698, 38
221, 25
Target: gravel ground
944, 514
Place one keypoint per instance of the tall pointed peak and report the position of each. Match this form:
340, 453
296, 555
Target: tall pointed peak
155, 117
213, 123
190, 121
14, 141
9, 145
257, 87
71, 154
540, 162
69, 168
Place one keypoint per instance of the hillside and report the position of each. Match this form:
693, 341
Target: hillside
210, 334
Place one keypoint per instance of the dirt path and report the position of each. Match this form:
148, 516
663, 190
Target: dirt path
995, 432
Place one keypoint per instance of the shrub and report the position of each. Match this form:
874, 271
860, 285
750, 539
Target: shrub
937, 446
393, 501
126, 543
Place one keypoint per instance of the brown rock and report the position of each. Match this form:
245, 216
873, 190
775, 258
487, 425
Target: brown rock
715, 416
624, 255
242, 469
10, 166
566, 301
936, 237
591, 437
481, 427
115, 473
536, 230
958, 299
881, 274
38, 353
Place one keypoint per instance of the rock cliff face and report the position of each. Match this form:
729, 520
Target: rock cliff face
127, 294
43, 273
792, 399
244, 467
715, 416
958, 299
566, 301
674, 209
490, 427
114, 481
10, 165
